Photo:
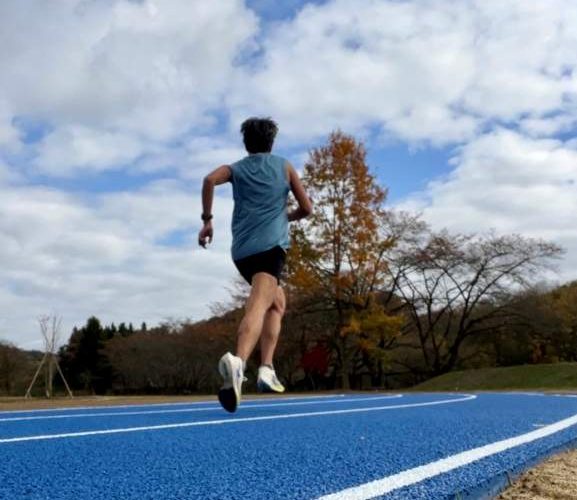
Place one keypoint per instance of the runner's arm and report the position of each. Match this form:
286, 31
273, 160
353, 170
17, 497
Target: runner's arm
219, 176
305, 207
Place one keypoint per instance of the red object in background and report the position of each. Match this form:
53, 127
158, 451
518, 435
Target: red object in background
316, 360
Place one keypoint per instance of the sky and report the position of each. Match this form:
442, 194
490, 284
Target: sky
112, 112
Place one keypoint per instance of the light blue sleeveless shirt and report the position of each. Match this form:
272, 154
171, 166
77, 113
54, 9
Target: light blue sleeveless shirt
260, 219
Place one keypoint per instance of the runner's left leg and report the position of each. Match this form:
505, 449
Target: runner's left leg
267, 380
261, 298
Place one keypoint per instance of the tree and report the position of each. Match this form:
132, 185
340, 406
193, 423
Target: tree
83, 360
457, 286
14, 368
123, 331
561, 303
338, 254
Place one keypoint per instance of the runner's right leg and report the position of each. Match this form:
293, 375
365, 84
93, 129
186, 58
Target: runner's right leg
231, 367
261, 298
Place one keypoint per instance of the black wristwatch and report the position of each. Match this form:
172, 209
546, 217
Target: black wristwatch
206, 217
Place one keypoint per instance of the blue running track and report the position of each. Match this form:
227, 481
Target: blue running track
412, 446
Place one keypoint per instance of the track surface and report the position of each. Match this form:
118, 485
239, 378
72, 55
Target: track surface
337, 447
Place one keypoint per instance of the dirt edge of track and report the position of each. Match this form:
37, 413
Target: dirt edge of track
555, 478
21, 404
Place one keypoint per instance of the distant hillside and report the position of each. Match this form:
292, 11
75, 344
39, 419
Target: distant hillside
558, 376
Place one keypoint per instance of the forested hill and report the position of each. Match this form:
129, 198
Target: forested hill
539, 328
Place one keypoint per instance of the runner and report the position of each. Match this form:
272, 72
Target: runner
261, 182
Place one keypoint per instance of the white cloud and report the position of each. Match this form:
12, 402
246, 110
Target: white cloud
204, 154
513, 184
193, 158
120, 80
72, 148
113, 75
549, 126
433, 71
115, 81
105, 256
160, 208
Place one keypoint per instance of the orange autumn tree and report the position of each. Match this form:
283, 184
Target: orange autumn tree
338, 256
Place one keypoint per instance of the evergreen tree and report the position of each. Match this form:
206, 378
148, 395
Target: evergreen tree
122, 330
83, 359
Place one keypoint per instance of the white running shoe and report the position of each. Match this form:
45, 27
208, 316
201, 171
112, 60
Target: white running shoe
231, 368
267, 380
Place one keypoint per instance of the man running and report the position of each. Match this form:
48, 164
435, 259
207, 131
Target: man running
261, 182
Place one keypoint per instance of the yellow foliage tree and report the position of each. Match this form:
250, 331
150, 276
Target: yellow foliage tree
338, 254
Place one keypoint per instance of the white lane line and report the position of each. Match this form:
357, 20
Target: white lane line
194, 410
191, 403
416, 475
521, 393
463, 398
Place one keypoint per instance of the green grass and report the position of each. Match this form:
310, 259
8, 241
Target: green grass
558, 376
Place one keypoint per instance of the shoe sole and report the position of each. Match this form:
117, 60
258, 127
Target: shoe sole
228, 400
227, 396
264, 387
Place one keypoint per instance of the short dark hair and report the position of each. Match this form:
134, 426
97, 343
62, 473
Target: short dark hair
258, 134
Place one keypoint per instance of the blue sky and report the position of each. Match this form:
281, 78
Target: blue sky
400, 167
468, 112
271, 10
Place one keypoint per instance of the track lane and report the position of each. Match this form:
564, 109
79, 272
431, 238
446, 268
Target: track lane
287, 457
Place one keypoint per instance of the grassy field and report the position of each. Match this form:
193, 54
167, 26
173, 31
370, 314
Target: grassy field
553, 377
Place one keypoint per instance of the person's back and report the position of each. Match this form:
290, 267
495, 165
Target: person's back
261, 183
260, 189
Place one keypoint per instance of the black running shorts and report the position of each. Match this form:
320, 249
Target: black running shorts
270, 262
